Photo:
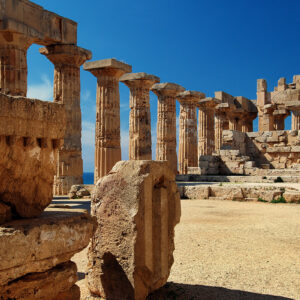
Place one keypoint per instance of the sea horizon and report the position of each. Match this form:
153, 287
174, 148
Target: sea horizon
88, 177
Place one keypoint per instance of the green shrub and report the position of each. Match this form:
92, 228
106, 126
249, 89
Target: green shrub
278, 179
261, 200
280, 199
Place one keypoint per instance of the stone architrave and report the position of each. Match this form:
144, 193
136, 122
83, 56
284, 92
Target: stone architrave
166, 122
188, 129
206, 127
67, 60
137, 206
107, 135
140, 144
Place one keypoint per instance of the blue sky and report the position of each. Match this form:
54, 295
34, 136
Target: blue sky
203, 45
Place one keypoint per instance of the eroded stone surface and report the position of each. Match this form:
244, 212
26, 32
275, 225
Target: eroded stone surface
53, 284
29, 139
137, 206
41, 243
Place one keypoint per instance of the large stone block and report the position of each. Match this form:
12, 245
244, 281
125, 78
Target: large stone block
137, 206
55, 284
30, 135
37, 245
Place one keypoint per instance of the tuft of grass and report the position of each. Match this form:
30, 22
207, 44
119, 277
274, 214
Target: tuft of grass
261, 200
220, 184
280, 199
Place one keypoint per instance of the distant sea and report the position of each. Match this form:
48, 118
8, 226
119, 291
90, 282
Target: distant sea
88, 178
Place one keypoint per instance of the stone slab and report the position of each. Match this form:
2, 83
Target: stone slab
36, 245
139, 76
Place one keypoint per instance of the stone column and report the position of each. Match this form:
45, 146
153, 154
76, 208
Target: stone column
67, 60
107, 135
296, 120
13, 63
220, 121
140, 144
166, 122
233, 123
188, 130
279, 121
206, 129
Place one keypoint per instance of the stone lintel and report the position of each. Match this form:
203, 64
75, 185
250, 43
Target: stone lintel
66, 54
293, 105
268, 108
167, 88
33, 21
109, 63
224, 97
280, 112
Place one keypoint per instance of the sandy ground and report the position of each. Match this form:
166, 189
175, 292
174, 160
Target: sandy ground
231, 250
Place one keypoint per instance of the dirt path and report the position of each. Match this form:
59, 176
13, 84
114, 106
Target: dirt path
232, 250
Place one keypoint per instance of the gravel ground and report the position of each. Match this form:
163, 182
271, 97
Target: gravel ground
231, 250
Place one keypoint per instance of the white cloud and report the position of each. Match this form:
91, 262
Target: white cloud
42, 90
125, 144
85, 95
88, 134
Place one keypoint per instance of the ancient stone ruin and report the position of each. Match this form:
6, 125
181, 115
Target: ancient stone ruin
36, 139
137, 206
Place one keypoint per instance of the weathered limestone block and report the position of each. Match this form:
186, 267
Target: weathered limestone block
79, 191
37, 245
137, 206
67, 60
140, 143
108, 140
49, 285
166, 122
29, 139
31, 20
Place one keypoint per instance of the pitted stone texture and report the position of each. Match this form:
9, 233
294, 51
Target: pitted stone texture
140, 143
67, 60
37, 245
29, 139
166, 122
137, 207
55, 284
108, 140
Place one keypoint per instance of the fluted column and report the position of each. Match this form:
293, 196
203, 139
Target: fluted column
220, 121
296, 120
188, 130
166, 122
206, 132
67, 60
233, 123
140, 144
13, 63
107, 135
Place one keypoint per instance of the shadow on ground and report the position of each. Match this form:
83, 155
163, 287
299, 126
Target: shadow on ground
179, 291
65, 202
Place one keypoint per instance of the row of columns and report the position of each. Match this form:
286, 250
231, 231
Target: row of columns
108, 151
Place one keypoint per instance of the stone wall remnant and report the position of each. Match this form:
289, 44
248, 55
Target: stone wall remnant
108, 140
140, 144
166, 122
137, 206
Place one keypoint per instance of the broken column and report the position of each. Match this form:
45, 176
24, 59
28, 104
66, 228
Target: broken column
107, 135
166, 122
137, 207
67, 60
206, 128
188, 156
140, 144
